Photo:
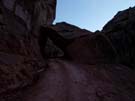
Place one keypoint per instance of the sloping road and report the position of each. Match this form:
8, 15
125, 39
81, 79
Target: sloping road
65, 81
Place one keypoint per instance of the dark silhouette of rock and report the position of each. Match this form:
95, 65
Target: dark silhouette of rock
121, 32
69, 31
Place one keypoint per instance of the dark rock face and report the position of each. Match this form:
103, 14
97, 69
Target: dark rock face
121, 32
92, 49
20, 57
59, 36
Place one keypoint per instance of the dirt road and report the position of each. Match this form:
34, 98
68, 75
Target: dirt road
65, 81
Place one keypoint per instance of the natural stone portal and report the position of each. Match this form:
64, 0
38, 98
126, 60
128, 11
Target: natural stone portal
90, 48
57, 39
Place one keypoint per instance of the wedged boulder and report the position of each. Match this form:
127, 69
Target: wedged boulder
60, 31
79, 45
121, 32
92, 49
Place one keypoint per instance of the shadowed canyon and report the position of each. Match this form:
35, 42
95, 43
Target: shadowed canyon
40, 61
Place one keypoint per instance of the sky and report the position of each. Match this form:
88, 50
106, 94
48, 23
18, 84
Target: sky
89, 14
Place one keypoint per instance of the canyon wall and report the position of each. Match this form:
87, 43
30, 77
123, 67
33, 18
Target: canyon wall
20, 58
